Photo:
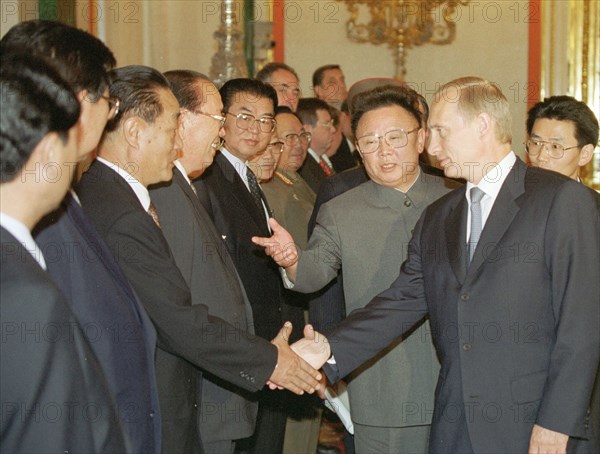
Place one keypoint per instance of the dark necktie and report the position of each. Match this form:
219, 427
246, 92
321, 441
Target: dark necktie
254, 189
152, 212
476, 220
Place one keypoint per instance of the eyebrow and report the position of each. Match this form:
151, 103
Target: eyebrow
553, 139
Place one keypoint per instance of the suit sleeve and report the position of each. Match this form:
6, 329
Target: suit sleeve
572, 256
320, 263
185, 330
367, 331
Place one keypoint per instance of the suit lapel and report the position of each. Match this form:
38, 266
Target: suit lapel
503, 212
456, 234
241, 194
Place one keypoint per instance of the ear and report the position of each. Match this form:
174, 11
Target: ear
586, 154
421, 138
46, 151
317, 90
132, 129
484, 124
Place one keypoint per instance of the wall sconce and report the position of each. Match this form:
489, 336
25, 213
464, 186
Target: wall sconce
402, 24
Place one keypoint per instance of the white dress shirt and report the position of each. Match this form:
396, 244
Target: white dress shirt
491, 183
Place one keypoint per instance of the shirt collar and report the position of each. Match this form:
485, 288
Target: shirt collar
237, 163
492, 181
179, 165
314, 155
23, 235
140, 190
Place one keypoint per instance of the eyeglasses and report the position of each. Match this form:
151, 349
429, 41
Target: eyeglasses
219, 118
396, 138
329, 124
291, 139
113, 105
288, 91
246, 121
218, 143
555, 150
273, 148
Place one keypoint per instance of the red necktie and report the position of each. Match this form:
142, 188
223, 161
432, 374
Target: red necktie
325, 168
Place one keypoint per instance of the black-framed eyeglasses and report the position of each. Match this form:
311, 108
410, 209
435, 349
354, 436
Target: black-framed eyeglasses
218, 143
291, 139
219, 118
113, 105
396, 138
246, 121
555, 150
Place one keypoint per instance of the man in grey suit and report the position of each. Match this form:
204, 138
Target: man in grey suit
365, 231
509, 281
227, 413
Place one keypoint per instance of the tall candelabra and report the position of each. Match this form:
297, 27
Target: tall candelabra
402, 24
229, 61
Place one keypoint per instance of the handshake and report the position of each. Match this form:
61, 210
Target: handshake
298, 364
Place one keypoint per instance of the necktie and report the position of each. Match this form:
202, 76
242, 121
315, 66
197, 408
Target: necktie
254, 189
152, 212
476, 222
325, 168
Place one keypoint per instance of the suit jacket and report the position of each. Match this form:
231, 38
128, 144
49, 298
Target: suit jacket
237, 218
105, 306
344, 158
517, 331
365, 231
53, 392
189, 338
312, 173
227, 412
326, 308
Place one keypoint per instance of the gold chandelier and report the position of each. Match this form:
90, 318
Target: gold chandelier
402, 24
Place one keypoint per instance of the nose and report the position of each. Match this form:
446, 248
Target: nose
384, 147
254, 127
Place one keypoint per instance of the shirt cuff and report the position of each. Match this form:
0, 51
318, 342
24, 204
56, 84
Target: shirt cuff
287, 283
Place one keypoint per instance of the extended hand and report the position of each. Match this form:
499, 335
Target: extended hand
280, 246
313, 348
546, 441
292, 372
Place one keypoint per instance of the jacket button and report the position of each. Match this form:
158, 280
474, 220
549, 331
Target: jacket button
407, 203
152, 414
466, 347
464, 297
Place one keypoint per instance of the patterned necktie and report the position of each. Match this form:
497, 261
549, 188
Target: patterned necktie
476, 221
254, 189
325, 167
152, 212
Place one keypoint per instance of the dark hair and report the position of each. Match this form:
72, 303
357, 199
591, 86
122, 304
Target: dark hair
265, 74
137, 88
253, 89
423, 109
319, 73
35, 102
80, 58
388, 95
566, 108
184, 85
283, 110
307, 110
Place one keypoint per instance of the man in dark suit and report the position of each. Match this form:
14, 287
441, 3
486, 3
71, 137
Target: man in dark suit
121, 334
505, 278
235, 203
227, 413
562, 135
54, 394
316, 119
138, 150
